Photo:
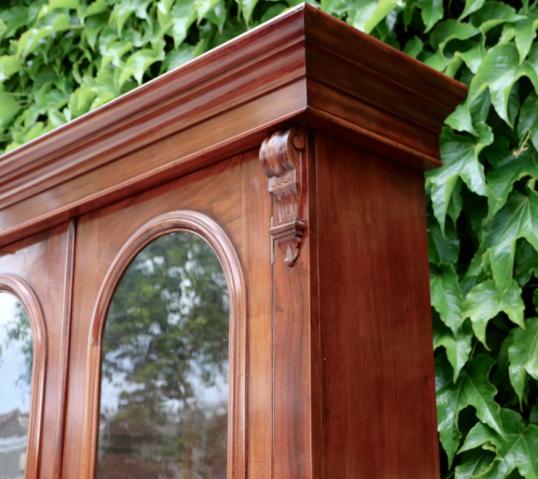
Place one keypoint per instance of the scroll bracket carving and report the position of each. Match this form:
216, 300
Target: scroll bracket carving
281, 155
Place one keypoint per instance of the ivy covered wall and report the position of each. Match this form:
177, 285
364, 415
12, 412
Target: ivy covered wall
62, 58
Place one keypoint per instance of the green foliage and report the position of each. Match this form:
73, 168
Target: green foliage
61, 58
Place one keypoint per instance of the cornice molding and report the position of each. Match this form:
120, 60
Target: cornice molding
303, 67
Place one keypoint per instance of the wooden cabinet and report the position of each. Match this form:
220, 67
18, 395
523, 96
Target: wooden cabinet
296, 154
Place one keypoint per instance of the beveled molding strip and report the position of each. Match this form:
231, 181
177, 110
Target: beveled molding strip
281, 156
210, 85
112, 123
303, 67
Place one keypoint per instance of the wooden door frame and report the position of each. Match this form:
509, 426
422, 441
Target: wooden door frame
209, 231
23, 292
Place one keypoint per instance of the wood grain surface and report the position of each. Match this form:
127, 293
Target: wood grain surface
106, 241
42, 266
303, 67
324, 245
378, 395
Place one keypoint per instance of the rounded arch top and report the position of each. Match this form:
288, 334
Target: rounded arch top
181, 220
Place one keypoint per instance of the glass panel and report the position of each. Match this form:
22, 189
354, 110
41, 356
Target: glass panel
15, 385
164, 385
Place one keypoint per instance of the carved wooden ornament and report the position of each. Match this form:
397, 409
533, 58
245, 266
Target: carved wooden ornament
281, 155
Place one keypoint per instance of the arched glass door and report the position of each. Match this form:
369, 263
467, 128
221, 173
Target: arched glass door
164, 366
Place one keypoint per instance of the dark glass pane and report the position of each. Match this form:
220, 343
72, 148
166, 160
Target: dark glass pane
164, 385
15, 385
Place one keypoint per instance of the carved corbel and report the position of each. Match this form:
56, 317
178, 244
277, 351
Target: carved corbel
281, 155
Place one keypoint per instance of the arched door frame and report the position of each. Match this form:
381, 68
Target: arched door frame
212, 233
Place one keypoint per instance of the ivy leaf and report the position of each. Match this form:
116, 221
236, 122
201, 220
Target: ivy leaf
471, 6
137, 64
13, 18
9, 107
178, 57
36, 130
112, 52
218, 15
471, 389
437, 61
203, 7
473, 57
124, 9
460, 119
517, 219
80, 100
104, 87
502, 178
474, 463
528, 120
94, 8
526, 263
446, 296
455, 206
368, 13
470, 116
443, 249
525, 30
515, 449
450, 30
246, 7
93, 26
523, 355
484, 301
460, 161
493, 14
431, 11
457, 346
183, 16
498, 72
9, 65
34, 38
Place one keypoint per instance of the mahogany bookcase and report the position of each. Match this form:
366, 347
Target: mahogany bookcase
297, 152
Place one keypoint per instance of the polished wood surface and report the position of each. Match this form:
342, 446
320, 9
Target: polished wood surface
38, 271
295, 348
281, 156
303, 66
109, 238
376, 359
297, 151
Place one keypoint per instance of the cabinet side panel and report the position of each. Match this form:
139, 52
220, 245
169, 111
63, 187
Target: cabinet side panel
376, 334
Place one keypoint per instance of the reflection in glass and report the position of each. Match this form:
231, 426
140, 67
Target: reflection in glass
15, 385
164, 385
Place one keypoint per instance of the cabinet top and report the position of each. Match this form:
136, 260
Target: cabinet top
303, 66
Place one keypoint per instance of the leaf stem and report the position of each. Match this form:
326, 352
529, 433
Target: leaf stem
523, 147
